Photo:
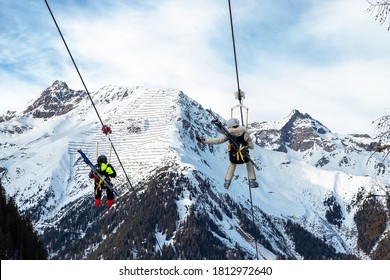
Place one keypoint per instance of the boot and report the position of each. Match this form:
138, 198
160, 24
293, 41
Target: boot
253, 184
97, 202
110, 202
227, 184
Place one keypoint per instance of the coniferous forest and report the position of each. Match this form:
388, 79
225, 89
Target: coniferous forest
18, 240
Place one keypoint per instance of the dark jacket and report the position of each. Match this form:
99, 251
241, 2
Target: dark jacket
105, 170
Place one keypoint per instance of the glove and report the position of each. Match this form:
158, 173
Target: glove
200, 139
217, 122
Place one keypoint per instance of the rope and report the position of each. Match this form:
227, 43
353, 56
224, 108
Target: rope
235, 63
242, 118
87, 91
97, 112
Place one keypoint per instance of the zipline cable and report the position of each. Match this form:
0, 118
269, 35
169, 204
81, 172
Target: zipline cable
239, 97
87, 91
97, 112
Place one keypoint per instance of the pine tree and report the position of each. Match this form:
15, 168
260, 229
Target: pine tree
18, 240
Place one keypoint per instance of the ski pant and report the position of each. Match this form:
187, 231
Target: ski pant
249, 168
98, 192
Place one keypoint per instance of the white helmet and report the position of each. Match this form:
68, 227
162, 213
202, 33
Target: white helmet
233, 123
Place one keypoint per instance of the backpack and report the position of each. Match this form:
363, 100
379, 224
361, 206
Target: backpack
235, 156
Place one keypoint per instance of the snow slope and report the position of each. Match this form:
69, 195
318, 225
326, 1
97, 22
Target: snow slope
303, 164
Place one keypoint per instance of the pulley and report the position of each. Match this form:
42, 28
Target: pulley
240, 95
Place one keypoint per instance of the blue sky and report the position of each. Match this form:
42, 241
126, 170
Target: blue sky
327, 58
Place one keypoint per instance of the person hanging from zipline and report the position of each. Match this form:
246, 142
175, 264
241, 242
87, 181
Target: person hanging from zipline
236, 156
107, 172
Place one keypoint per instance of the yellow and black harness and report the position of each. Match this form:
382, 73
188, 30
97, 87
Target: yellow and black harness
105, 170
236, 155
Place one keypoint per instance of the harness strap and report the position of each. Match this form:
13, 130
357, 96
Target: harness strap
99, 186
239, 154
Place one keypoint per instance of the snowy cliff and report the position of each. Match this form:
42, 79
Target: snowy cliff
316, 186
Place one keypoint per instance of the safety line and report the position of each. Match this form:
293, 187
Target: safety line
235, 63
242, 119
97, 112
87, 91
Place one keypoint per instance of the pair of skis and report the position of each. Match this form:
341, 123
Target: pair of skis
96, 172
222, 129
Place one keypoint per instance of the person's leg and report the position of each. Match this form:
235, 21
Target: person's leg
98, 195
251, 175
110, 198
229, 175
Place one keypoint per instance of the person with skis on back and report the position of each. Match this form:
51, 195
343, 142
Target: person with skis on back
236, 156
106, 171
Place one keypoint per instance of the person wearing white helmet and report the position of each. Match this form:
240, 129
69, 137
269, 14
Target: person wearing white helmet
236, 157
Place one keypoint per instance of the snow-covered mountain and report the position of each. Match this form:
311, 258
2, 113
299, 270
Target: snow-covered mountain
322, 195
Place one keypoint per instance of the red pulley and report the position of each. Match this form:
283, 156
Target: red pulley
106, 129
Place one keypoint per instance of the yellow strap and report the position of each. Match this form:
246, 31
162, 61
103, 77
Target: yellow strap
99, 186
240, 155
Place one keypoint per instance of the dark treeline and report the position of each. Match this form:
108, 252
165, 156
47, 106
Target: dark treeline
18, 240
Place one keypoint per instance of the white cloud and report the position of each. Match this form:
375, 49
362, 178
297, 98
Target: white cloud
325, 58
332, 64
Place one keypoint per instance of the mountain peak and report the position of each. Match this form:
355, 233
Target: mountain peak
296, 118
295, 114
56, 100
301, 132
298, 131
59, 85
8, 116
